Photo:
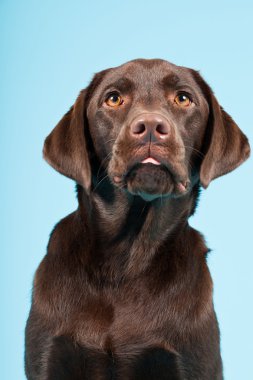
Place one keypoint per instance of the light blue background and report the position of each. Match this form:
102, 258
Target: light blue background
50, 50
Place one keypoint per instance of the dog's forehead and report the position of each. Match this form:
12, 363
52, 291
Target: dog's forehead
147, 73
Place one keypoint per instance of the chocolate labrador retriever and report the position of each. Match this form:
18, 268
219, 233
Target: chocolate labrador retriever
124, 291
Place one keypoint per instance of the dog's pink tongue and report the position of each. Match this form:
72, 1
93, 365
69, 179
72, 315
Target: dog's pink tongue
151, 161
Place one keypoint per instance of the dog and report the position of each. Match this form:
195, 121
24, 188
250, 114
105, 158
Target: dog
124, 291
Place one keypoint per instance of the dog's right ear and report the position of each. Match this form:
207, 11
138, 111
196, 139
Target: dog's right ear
65, 147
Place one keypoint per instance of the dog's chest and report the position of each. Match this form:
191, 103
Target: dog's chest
125, 317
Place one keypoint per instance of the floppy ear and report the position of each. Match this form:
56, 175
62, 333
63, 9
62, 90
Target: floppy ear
65, 148
226, 146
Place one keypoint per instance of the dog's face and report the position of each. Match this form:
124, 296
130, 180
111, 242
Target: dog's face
153, 126
146, 119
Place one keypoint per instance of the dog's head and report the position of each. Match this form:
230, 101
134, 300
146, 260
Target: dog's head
153, 126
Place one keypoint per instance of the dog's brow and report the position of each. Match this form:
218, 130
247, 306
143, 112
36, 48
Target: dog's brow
170, 80
122, 84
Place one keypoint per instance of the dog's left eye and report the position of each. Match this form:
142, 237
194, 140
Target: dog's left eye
183, 100
114, 100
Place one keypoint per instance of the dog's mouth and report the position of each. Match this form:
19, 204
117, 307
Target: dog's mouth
151, 179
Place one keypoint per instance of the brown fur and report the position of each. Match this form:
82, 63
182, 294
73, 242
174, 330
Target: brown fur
124, 291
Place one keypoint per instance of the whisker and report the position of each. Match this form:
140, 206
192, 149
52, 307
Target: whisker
142, 211
121, 187
110, 141
107, 176
101, 164
195, 150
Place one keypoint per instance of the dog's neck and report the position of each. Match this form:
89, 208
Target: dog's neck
128, 227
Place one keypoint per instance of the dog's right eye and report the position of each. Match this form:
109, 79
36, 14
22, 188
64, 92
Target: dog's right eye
114, 100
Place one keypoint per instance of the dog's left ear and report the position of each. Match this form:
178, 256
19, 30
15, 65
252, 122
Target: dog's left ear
65, 147
226, 147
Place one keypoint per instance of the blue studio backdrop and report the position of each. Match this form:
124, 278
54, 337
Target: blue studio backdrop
50, 50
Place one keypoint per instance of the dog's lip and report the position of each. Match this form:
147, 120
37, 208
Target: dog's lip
181, 182
182, 185
117, 179
149, 160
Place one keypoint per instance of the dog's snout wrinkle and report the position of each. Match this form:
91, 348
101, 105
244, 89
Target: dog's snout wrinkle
150, 127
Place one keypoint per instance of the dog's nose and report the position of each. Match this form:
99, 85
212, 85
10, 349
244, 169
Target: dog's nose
150, 127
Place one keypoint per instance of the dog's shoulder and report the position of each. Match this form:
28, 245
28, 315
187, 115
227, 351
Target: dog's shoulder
66, 252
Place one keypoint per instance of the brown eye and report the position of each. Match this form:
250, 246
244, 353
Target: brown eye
114, 100
183, 100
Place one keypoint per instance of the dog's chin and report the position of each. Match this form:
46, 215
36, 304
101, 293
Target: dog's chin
151, 181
